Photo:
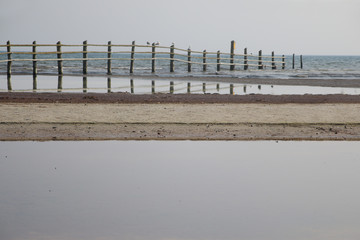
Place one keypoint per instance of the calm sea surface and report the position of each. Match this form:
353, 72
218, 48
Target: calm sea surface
179, 190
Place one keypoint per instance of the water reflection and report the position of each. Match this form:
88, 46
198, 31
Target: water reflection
144, 86
179, 190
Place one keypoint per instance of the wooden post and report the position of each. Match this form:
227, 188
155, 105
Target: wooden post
109, 84
244, 88
85, 84
132, 57
34, 66
171, 87
60, 78
152, 86
59, 56
109, 59
85, 57
188, 87
204, 60
293, 61
232, 49
273, 60
172, 58
204, 87
283, 61
260, 66
218, 60
34, 58
246, 66
131, 86
153, 58
301, 62
217, 87
232, 89
189, 60
9, 61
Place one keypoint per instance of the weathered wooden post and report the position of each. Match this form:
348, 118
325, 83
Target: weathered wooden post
204, 87
232, 89
34, 58
34, 66
153, 58
301, 62
218, 60
109, 84
171, 87
132, 57
152, 86
9, 60
84, 84
273, 66
260, 66
60, 79
204, 60
172, 48
189, 59
246, 66
283, 62
232, 49
85, 55
188, 87
293, 61
131, 86
59, 56
109, 58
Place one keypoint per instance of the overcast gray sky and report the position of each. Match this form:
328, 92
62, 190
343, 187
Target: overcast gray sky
285, 26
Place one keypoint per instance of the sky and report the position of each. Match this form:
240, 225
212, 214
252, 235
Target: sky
309, 27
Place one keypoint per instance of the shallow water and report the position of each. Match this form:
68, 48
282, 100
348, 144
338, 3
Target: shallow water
144, 86
179, 190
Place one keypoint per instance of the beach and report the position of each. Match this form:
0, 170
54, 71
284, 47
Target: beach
123, 116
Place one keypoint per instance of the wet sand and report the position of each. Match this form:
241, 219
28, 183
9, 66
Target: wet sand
46, 116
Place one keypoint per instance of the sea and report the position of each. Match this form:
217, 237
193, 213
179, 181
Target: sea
314, 67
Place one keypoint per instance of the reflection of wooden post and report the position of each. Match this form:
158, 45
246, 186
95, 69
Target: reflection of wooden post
273, 66
84, 84
218, 87
232, 49
231, 89
85, 57
9, 82
109, 85
153, 58
172, 48
60, 77
246, 66
153, 86
109, 58
283, 61
132, 86
132, 57
218, 61
59, 56
189, 60
188, 87
9, 60
204, 60
204, 87
301, 62
260, 66
171, 87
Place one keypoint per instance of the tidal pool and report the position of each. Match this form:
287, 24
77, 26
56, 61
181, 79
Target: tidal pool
179, 190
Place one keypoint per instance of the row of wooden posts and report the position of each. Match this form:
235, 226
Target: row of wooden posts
132, 59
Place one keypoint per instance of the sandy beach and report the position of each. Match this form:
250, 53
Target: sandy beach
34, 116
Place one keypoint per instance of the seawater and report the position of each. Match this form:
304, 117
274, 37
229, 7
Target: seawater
315, 67
179, 190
